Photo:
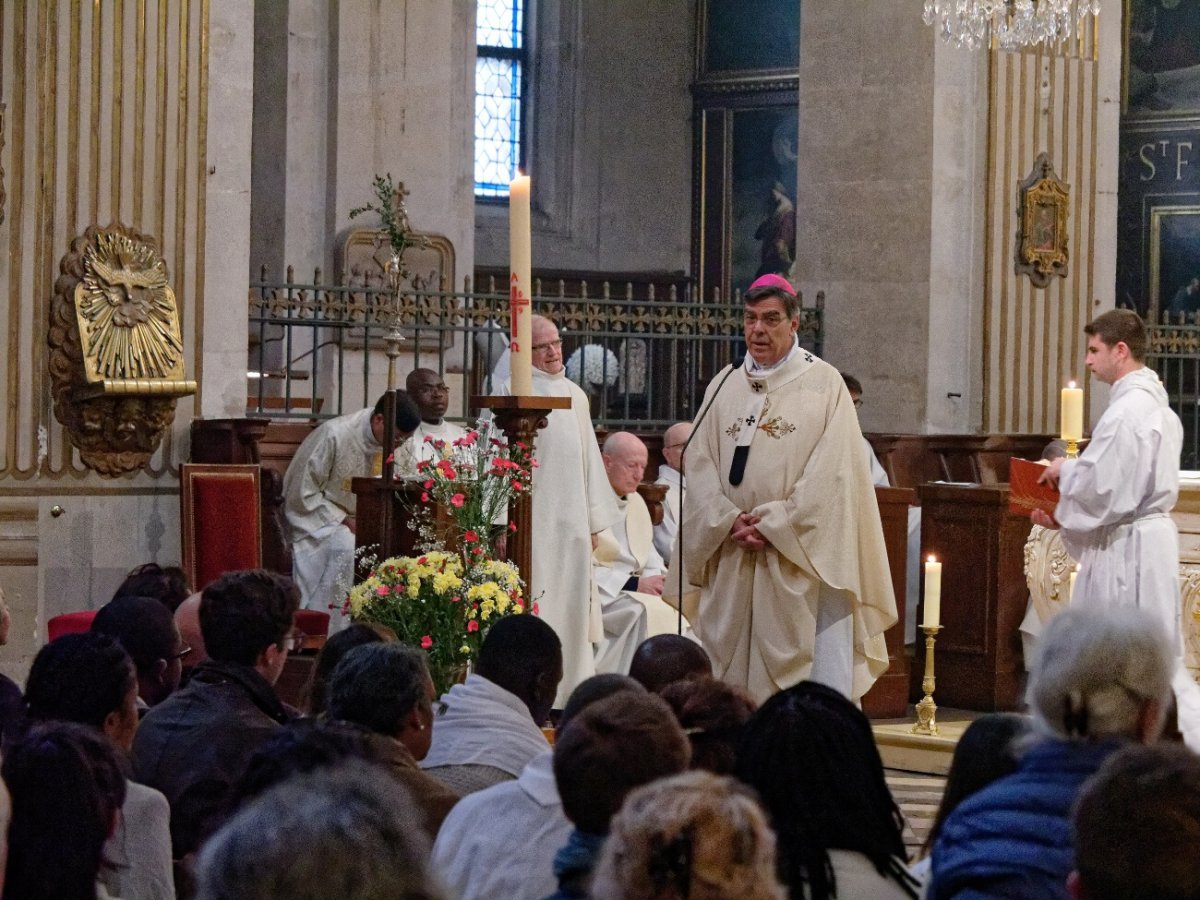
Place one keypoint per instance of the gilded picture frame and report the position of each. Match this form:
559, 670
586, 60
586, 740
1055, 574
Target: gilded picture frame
1043, 211
1174, 261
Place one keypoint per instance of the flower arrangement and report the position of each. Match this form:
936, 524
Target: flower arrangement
436, 602
474, 478
445, 600
593, 365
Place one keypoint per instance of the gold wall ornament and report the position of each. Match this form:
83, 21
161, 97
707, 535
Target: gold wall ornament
1042, 207
116, 351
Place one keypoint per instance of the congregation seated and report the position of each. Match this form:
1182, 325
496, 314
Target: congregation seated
811, 756
187, 620
713, 714
478, 861
337, 646
386, 689
67, 790
1136, 827
1101, 680
488, 728
195, 744
629, 570
343, 832
166, 584
612, 747
147, 631
986, 752
695, 835
11, 704
89, 680
666, 658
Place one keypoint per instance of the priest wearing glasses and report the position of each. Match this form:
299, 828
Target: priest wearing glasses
781, 538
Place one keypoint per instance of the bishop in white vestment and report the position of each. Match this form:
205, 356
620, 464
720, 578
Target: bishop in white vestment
783, 537
571, 502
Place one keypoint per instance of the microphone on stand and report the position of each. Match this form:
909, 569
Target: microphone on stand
738, 363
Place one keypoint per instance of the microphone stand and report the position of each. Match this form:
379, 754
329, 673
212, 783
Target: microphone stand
737, 364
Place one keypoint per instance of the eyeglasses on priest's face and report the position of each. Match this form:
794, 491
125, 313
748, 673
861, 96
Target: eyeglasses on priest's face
546, 345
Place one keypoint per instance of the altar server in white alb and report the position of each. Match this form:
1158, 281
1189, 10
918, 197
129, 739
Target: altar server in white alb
670, 474
1114, 508
571, 502
319, 503
429, 392
629, 569
782, 533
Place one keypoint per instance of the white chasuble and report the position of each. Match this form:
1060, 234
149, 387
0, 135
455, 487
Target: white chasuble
572, 500
762, 614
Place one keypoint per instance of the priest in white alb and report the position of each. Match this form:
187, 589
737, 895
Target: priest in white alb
429, 392
572, 502
1115, 500
629, 569
670, 475
319, 504
782, 534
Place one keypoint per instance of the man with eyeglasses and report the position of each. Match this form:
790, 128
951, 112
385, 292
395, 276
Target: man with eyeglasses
670, 474
147, 631
572, 502
781, 532
432, 396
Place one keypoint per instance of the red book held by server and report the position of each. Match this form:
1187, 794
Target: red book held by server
1024, 493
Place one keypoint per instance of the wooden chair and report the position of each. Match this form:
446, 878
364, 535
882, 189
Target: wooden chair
222, 520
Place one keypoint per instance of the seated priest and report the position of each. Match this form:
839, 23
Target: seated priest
629, 570
429, 392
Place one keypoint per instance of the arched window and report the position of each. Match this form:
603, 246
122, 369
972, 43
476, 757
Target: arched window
501, 70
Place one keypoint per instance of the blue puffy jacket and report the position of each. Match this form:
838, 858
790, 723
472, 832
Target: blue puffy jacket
1012, 840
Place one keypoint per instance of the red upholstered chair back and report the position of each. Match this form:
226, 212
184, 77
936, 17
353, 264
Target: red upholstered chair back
222, 520
70, 623
313, 622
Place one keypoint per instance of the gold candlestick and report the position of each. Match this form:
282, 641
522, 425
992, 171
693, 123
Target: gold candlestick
1072, 448
927, 709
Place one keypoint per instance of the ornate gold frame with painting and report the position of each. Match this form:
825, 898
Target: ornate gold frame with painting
1042, 211
426, 293
1174, 231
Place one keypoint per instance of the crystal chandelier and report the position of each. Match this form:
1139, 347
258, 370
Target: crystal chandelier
1012, 23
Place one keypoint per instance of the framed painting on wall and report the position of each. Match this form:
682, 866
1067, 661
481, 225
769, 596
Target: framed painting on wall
1162, 58
1174, 260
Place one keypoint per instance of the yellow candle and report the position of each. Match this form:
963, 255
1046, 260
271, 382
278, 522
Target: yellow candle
1072, 413
933, 593
520, 286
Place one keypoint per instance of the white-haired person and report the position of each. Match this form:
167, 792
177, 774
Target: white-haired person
1101, 681
697, 835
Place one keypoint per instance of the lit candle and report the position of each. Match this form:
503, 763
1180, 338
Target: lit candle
1071, 585
1072, 412
520, 286
933, 593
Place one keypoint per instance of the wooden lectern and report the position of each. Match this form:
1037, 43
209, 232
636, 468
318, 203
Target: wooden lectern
888, 697
982, 548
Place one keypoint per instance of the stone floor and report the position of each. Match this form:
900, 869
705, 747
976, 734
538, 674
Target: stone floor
918, 796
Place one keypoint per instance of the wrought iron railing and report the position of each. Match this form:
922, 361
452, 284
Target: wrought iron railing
318, 349
1174, 353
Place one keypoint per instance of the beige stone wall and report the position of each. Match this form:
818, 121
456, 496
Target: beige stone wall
126, 111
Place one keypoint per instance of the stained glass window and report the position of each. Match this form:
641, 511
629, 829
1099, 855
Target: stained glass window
499, 85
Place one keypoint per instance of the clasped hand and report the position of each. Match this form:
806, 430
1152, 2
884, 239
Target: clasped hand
745, 533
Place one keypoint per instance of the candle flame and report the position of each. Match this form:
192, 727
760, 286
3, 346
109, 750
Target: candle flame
1070, 384
931, 558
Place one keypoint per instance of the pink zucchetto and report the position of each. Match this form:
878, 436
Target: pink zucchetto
772, 281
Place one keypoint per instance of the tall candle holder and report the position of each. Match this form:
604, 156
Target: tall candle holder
1072, 448
927, 709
